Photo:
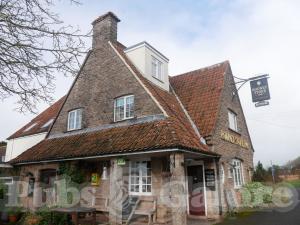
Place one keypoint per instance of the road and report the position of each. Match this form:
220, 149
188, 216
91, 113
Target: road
291, 217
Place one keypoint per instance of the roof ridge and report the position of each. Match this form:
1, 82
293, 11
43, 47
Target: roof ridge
202, 69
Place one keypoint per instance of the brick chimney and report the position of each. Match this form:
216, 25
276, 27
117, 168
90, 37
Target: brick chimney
105, 28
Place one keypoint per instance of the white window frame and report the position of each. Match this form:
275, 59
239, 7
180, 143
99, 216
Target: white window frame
232, 120
157, 68
238, 178
126, 97
77, 123
140, 192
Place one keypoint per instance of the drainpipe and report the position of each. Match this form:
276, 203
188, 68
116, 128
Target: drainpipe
216, 160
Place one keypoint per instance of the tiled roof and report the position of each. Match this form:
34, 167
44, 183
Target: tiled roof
175, 131
126, 139
41, 123
180, 124
200, 93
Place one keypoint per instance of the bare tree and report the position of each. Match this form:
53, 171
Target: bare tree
34, 44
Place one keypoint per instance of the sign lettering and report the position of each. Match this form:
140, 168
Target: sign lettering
234, 139
260, 90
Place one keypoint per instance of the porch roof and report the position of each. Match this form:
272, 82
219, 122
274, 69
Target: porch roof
127, 139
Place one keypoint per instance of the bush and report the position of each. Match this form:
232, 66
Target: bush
256, 194
44, 217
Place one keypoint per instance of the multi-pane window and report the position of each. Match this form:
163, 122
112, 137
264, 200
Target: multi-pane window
237, 173
124, 108
232, 118
75, 119
157, 69
140, 180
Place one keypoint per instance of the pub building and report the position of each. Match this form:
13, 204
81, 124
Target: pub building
139, 135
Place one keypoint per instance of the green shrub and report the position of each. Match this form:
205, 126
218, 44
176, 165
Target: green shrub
44, 217
256, 194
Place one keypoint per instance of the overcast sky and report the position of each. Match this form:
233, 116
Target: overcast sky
256, 36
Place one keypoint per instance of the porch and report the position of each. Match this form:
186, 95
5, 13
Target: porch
176, 187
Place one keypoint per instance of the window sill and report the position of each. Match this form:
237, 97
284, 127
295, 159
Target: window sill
119, 121
238, 188
158, 80
69, 131
140, 194
234, 131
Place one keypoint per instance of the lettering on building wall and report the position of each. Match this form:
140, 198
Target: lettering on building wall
226, 136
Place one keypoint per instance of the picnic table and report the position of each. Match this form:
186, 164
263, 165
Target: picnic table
76, 211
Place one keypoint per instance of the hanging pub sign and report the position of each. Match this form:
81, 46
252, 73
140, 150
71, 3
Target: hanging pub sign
210, 178
260, 91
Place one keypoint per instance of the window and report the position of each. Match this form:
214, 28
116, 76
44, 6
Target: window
3, 158
74, 119
124, 108
232, 118
237, 173
157, 68
140, 180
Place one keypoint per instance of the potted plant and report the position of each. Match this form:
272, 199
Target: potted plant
14, 214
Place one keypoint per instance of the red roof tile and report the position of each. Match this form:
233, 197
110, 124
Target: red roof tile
41, 123
127, 139
200, 93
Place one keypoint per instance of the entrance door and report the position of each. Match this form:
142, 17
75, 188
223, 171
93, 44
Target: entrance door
196, 190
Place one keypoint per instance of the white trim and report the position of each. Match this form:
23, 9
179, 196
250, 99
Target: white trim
240, 172
125, 97
140, 193
159, 72
233, 115
205, 195
117, 154
77, 112
138, 79
147, 45
26, 136
187, 115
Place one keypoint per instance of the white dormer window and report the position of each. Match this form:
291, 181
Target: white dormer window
75, 119
232, 118
124, 108
157, 70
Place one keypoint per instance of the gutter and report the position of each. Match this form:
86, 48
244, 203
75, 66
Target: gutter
214, 155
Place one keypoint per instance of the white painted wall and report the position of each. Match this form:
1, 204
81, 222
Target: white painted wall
18, 145
141, 57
